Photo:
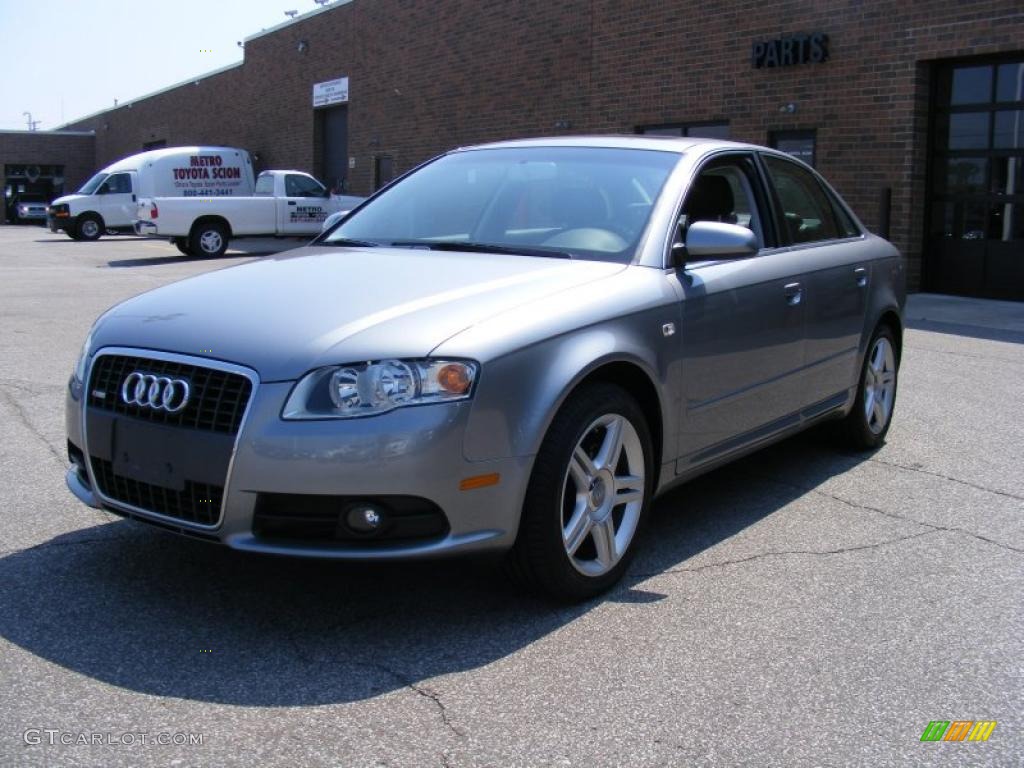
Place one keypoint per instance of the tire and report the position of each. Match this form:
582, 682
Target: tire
89, 227
208, 239
182, 244
572, 561
867, 424
73, 234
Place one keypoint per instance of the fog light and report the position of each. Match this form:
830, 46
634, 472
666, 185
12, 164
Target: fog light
365, 518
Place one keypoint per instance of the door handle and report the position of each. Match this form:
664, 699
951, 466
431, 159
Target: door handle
794, 294
860, 274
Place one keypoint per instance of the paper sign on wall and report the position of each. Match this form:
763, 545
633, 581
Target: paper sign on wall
330, 92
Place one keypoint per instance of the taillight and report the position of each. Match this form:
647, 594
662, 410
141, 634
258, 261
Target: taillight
153, 212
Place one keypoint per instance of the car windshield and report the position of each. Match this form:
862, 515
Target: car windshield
585, 202
93, 184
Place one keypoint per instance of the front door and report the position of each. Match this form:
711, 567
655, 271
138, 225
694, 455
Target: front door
975, 243
742, 332
117, 202
305, 206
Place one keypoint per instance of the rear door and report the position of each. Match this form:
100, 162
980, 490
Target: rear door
742, 332
835, 258
117, 199
304, 207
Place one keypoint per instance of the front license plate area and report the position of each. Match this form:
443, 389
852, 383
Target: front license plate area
144, 452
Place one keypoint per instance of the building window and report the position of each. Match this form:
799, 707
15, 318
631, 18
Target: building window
692, 130
799, 144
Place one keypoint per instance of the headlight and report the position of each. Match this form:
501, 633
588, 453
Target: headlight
83, 359
367, 389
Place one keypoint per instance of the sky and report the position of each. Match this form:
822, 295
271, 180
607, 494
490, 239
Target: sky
65, 59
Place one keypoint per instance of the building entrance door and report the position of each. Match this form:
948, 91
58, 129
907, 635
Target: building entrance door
334, 148
975, 241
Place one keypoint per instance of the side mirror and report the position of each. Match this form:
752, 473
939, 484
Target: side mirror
715, 240
333, 219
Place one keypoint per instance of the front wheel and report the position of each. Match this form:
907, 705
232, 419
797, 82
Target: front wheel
868, 422
587, 497
90, 227
209, 239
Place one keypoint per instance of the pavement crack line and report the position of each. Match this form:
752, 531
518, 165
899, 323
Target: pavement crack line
893, 515
951, 479
784, 553
426, 693
22, 417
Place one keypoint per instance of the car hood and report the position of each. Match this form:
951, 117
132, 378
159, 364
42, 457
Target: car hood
69, 199
319, 306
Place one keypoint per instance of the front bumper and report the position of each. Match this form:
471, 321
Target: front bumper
56, 224
413, 452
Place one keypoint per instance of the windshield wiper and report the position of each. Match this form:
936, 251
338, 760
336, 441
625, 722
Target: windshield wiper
341, 241
460, 245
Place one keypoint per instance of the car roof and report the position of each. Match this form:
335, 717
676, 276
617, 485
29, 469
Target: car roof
676, 144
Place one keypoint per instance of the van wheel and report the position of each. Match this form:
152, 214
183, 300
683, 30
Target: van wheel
181, 243
90, 227
208, 239
587, 498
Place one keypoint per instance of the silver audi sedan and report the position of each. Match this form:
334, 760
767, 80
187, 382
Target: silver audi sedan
513, 348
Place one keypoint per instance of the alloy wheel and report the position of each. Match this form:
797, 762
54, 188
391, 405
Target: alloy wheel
211, 241
603, 494
879, 385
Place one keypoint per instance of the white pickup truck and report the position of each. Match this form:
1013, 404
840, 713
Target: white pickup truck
284, 204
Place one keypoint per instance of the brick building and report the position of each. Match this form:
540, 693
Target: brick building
43, 164
913, 109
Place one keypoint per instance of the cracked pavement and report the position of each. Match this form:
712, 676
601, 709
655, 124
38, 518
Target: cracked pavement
804, 606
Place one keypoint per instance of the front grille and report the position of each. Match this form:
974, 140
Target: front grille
198, 503
217, 399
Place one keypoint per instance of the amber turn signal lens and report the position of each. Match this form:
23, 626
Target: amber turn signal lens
455, 379
479, 481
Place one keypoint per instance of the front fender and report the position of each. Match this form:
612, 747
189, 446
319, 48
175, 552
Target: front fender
519, 394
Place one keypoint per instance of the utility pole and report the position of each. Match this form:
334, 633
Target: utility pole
31, 123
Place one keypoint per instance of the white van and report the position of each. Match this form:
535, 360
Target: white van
107, 202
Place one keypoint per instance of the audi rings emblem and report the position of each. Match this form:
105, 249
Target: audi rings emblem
157, 392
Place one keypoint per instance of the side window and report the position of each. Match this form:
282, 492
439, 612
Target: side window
808, 213
847, 227
302, 186
264, 186
723, 191
117, 183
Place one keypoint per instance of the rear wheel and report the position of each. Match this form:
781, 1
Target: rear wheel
587, 497
90, 227
868, 422
181, 243
208, 239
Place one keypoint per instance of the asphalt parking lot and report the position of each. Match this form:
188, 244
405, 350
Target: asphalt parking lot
802, 607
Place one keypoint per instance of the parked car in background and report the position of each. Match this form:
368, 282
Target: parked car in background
107, 202
283, 203
512, 349
29, 206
